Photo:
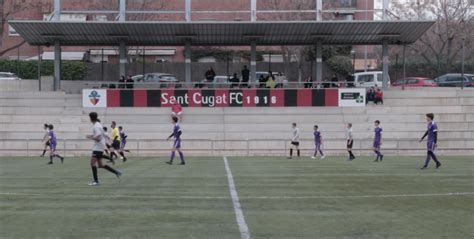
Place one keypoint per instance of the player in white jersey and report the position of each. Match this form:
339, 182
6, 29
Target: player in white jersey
46, 139
350, 141
98, 136
295, 141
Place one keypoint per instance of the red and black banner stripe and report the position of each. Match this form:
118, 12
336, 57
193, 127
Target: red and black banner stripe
222, 97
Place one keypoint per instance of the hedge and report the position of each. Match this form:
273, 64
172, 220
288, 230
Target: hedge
70, 70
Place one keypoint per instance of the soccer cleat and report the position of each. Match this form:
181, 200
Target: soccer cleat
169, 162
182, 163
50, 163
124, 159
438, 165
424, 167
376, 160
312, 157
324, 156
119, 174
94, 184
62, 159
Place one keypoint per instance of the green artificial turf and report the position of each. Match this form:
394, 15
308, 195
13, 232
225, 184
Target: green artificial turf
280, 198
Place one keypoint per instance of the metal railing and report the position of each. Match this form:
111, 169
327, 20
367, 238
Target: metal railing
209, 147
211, 85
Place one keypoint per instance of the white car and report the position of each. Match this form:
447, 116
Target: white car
8, 76
280, 78
369, 79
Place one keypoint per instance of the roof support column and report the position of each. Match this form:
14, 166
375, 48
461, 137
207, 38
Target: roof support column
187, 63
253, 61
122, 11
188, 10
319, 63
319, 10
386, 62
123, 58
253, 10
57, 66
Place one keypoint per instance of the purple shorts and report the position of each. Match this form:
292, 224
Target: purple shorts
376, 145
177, 143
52, 147
430, 146
317, 146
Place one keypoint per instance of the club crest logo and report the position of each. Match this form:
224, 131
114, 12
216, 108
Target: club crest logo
94, 97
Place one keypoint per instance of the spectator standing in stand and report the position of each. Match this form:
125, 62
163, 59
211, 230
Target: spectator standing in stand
245, 77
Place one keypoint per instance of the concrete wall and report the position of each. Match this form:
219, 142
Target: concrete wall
243, 131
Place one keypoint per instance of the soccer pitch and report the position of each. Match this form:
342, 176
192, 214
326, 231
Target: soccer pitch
279, 198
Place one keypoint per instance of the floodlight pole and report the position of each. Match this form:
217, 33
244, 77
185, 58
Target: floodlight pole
122, 46
385, 10
188, 10
253, 10
319, 8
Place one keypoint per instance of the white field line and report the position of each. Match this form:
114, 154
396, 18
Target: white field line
196, 197
239, 215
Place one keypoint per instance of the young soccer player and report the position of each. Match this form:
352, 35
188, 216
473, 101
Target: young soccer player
108, 152
116, 140
350, 142
98, 136
45, 139
123, 139
52, 146
295, 141
177, 132
432, 143
378, 141
318, 141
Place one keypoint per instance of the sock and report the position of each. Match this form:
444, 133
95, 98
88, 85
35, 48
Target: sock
433, 156
315, 153
123, 155
428, 157
59, 156
44, 152
113, 155
94, 174
51, 158
110, 169
181, 156
321, 152
172, 156
107, 157
291, 152
351, 155
298, 153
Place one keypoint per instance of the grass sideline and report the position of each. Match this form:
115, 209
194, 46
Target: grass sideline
280, 198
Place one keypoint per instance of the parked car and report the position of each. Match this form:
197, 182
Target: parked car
219, 82
369, 79
455, 80
165, 80
280, 79
8, 76
415, 82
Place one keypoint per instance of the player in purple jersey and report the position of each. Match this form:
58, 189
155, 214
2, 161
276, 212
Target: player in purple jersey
123, 140
378, 141
52, 146
177, 142
432, 143
318, 141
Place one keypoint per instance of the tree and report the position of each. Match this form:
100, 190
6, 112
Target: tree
7, 10
440, 46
